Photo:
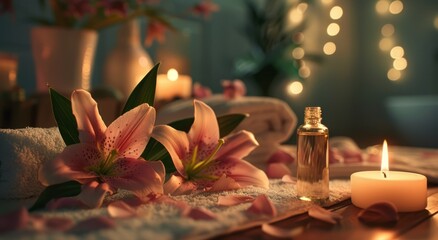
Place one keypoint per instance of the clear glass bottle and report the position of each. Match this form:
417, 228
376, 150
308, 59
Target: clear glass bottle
312, 155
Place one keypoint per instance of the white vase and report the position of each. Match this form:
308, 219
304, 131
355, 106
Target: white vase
63, 57
128, 62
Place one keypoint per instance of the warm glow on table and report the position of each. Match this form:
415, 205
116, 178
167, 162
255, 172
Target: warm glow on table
173, 85
407, 191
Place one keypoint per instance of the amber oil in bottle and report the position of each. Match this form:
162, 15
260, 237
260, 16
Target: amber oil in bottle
312, 155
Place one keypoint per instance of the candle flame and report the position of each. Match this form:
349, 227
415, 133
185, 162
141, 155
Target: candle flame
172, 74
385, 164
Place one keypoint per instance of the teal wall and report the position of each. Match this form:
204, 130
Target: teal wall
351, 86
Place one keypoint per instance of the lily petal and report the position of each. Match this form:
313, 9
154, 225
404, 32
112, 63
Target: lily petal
231, 200
238, 145
14, 220
262, 205
176, 185
324, 214
205, 128
224, 183
277, 170
130, 133
93, 224
244, 173
199, 213
175, 142
281, 232
94, 193
288, 179
120, 209
57, 223
70, 165
90, 123
136, 175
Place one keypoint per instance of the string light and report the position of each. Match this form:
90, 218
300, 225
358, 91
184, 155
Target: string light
329, 48
298, 53
295, 88
387, 44
333, 29
336, 12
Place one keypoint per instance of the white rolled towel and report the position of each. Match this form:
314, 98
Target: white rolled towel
271, 120
22, 153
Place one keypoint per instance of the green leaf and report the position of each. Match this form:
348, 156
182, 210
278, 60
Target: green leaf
155, 151
66, 189
144, 92
64, 117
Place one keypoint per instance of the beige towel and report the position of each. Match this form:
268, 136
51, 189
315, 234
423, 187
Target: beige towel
22, 152
271, 120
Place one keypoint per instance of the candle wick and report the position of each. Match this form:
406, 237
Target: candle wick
384, 174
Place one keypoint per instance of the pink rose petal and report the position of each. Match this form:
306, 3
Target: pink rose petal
93, 224
199, 213
288, 179
170, 201
281, 232
14, 220
281, 156
262, 205
277, 170
121, 209
324, 215
382, 213
231, 200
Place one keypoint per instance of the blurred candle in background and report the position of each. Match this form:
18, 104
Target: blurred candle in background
173, 85
8, 72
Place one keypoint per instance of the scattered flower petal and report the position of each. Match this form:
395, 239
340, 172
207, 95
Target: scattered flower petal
200, 92
199, 213
93, 224
14, 220
281, 156
156, 30
57, 223
120, 209
281, 232
383, 213
324, 214
288, 179
262, 205
231, 200
277, 170
233, 89
205, 8
224, 183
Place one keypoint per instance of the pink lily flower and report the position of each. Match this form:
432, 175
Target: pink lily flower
205, 162
233, 89
108, 155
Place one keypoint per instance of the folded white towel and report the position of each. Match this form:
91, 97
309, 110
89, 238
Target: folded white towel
271, 120
22, 152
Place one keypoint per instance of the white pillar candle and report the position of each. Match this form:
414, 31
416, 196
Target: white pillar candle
173, 85
407, 191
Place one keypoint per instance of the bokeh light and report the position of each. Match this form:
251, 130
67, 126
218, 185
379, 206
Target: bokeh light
333, 29
386, 44
394, 74
387, 30
396, 7
327, 2
397, 52
382, 6
329, 48
304, 71
295, 88
400, 63
435, 22
298, 53
336, 12
295, 16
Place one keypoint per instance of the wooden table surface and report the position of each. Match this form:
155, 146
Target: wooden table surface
415, 225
